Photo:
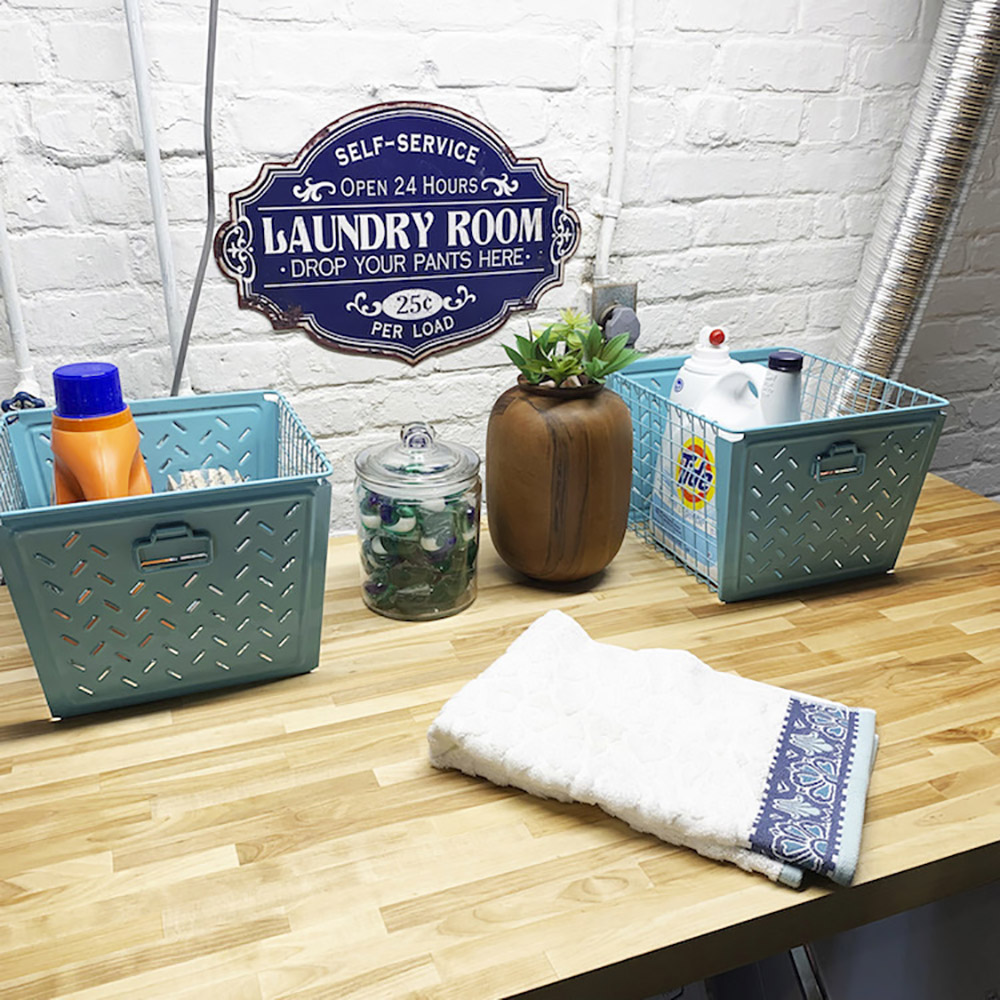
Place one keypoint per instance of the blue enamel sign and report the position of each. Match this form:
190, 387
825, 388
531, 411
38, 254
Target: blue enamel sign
402, 229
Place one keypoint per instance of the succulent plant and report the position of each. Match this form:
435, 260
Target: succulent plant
570, 352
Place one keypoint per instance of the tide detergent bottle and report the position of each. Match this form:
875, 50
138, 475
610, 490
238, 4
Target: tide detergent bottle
710, 386
95, 442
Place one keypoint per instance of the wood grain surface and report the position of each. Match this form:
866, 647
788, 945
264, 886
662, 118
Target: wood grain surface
291, 840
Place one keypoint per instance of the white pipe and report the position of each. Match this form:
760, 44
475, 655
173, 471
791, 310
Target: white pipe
24, 379
151, 148
611, 206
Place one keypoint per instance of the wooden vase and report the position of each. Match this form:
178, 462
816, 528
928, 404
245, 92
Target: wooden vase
558, 479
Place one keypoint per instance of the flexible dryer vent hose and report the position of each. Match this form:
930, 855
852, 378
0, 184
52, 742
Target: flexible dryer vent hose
950, 121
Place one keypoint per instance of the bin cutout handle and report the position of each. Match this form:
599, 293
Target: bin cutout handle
171, 545
842, 458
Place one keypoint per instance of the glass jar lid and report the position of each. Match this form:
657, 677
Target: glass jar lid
417, 463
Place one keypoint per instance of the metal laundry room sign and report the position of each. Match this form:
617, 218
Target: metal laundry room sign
402, 229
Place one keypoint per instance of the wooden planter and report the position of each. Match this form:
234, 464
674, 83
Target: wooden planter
558, 478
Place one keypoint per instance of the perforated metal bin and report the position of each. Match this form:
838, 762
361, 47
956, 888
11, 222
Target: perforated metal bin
142, 598
785, 506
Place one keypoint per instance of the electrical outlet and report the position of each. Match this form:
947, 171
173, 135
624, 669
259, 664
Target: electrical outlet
604, 298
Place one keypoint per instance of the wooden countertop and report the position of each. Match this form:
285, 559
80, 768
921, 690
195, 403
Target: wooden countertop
291, 840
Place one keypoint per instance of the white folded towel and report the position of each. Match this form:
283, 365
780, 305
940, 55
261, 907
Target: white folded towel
771, 780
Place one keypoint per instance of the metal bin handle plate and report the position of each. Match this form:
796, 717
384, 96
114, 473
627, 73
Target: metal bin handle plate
842, 458
172, 545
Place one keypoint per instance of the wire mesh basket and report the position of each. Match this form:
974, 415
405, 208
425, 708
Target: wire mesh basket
785, 506
137, 599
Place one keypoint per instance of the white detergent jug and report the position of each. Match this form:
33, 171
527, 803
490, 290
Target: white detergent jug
737, 397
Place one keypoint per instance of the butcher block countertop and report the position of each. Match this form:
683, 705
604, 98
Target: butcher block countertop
291, 839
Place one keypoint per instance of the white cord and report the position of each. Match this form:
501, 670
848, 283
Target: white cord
611, 205
151, 149
206, 247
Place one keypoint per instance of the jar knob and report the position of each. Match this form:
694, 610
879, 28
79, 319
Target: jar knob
416, 436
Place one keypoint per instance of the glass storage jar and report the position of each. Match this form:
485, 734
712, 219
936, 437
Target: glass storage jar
418, 524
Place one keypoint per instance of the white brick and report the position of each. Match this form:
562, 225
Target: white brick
724, 15
955, 258
450, 15
829, 217
311, 365
840, 169
981, 212
176, 52
178, 114
965, 295
230, 367
146, 373
520, 117
782, 65
485, 353
42, 194
269, 124
103, 320
693, 273
955, 451
884, 116
805, 264
828, 307
114, 194
88, 52
832, 119
863, 18
82, 127
468, 60
331, 411
712, 120
464, 395
19, 57
751, 220
51, 260
773, 119
686, 176
653, 123
985, 412
944, 339
653, 230
14, 122
90, 6
185, 186
316, 58
657, 64
898, 65
984, 253
951, 375
861, 212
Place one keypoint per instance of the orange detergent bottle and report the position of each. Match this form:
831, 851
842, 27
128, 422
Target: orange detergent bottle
95, 442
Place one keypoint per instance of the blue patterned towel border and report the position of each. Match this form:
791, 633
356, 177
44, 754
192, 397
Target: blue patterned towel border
813, 806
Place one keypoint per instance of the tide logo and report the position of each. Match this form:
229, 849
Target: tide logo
694, 474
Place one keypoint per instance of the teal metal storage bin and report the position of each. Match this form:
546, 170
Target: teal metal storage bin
133, 600
786, 506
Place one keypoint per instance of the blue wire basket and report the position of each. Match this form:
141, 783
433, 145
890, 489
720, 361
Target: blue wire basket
776, 508
136, 599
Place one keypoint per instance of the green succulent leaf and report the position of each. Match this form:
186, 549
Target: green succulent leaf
573, 345
525, 347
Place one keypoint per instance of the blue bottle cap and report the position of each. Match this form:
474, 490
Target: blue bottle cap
88, 389
785, 361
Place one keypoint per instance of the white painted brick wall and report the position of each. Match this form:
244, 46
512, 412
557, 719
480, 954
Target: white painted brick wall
761, 136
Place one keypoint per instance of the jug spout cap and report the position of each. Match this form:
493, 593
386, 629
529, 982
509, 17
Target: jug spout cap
711, 354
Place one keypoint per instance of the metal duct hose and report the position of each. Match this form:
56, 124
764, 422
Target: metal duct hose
950, 120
